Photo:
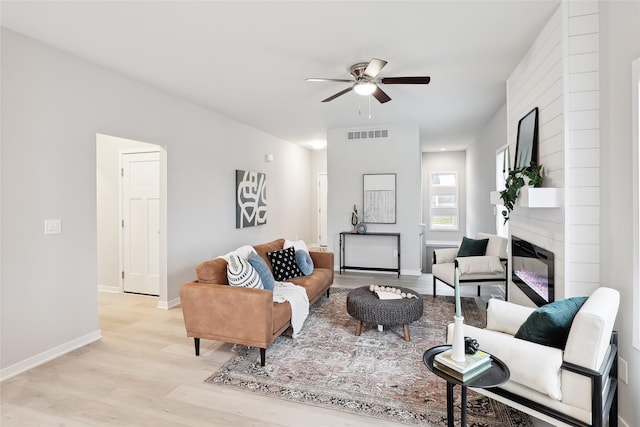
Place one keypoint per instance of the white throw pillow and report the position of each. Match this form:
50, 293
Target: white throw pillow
242, 252
298, 245
480, 264
241, 273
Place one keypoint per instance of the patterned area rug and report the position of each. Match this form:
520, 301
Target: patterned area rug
377, 374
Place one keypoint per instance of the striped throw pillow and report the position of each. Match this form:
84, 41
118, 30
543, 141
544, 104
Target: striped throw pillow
241, 273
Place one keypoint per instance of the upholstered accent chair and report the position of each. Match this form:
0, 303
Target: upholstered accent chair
576, 385
487, 269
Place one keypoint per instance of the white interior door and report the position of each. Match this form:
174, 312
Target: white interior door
322, 209
141, 222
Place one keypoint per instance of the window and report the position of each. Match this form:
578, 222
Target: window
443, 206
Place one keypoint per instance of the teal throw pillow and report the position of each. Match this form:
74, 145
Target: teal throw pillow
303, 259
266, 276
473, 247
550, 324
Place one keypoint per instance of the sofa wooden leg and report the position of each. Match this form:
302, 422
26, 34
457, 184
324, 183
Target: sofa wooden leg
328, 290
263, 356
196, 342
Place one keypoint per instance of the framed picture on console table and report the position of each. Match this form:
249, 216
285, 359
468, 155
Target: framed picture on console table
251, 198
379, 198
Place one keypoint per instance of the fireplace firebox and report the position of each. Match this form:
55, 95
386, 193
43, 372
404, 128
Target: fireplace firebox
532, 270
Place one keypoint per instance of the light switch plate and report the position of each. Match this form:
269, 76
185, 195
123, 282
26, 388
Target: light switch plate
52, 226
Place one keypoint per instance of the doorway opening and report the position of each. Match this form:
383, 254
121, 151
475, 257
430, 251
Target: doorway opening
131, 217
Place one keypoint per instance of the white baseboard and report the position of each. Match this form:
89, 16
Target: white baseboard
411, 272
109, 289
44, 357
166, 305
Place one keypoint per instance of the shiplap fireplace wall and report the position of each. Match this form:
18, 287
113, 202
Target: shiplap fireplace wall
559, 75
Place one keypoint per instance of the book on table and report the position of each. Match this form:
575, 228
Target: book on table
387, 295
471, 362
466, 376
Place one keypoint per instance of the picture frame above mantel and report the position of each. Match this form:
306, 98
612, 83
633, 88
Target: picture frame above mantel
379, 198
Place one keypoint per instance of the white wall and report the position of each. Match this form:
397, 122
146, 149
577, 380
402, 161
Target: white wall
447, 161
620, 45
53, 104
347, 161
481, 174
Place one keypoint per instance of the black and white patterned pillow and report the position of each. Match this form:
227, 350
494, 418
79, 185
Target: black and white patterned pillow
241, 273
284, 264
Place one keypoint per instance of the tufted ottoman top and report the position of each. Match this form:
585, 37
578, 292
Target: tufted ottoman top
364, 305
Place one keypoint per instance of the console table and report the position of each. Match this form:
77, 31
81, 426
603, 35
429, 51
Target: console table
343, 244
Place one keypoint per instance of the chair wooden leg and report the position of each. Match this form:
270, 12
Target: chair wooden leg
196, 342
434, 286
478, 290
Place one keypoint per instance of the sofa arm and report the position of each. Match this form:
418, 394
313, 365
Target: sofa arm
532, 365
322, 259
445, 255
228, 313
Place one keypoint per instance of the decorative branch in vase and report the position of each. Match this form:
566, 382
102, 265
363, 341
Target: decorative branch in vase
519, 177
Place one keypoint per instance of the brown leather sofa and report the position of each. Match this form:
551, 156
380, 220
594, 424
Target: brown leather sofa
216, 311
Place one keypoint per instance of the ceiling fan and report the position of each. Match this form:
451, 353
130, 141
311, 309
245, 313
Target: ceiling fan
365, 80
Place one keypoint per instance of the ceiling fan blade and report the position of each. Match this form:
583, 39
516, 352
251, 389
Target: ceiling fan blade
374, 67
316, 79
405, 80
342, 92
381, 96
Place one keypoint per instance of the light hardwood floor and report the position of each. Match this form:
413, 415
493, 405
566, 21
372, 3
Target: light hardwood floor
144, 373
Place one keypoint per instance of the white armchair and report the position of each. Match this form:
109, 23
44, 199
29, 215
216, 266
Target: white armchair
577, 386
474, 270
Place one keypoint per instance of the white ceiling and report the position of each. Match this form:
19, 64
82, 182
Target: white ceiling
249, 60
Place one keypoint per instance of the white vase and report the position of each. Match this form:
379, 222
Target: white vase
457, 344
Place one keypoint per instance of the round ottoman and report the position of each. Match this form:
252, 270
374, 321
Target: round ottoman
366, 307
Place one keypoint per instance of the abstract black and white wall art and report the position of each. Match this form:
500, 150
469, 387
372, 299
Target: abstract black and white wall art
251, 198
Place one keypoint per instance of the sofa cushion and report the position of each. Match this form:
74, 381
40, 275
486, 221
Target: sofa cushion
263, 248
550, 324
283, 263
241, 273
266, 276
304, 262
473, 247
316, 283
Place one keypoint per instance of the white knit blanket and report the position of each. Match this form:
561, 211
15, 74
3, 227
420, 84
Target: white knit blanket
297, 297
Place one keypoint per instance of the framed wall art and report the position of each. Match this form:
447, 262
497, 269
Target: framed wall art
379, 198
251, 198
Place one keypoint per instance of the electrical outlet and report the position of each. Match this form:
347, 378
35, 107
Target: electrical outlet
623, 370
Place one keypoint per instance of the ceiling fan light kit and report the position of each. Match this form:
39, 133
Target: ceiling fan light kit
364, 88
365, 82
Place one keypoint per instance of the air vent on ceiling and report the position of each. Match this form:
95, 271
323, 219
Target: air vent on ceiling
368, 134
